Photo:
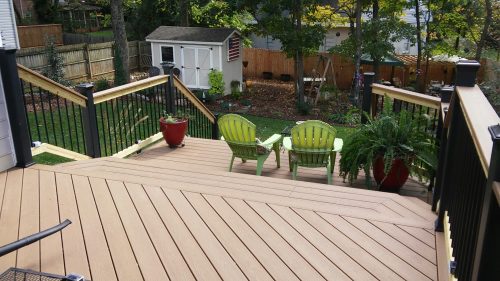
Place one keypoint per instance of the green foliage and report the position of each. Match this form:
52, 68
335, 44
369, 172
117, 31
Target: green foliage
216, 82
101, 85
351, 118
392, 136
146, 15
491, 88
46, 11
55, 68
246, 102
304, 108
218, 13
235, 89
120, 78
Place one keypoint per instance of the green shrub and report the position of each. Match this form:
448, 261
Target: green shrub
101, 85
55, 69
246, 102
304, 108
216, 81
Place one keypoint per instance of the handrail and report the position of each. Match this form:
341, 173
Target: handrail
496, 191
51, 86
408, 96
479, 115
193, 99
126, 89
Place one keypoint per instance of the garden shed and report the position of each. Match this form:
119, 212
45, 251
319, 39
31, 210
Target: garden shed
195, 51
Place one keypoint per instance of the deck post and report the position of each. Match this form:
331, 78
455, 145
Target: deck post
15, 106
168, 68
215, 127
367, 95
465, 76
90, 128
487, 248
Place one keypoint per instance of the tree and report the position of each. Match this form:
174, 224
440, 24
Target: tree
292, 22
418, 81
45, 10
184, 12
121, 44
484, 34
357, 55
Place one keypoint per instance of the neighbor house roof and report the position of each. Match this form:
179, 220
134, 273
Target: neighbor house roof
190, 34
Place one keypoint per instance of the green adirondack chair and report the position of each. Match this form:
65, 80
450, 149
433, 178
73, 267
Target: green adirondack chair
313, 144
239, 134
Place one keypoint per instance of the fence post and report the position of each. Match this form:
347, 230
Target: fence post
139, 59
486, 253
88, 62
465, 77
90, 128
367, 95
215, 127
15, 106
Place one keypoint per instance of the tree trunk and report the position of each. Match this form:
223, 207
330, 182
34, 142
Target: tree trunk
120, 36
427, 43
484, 34
376, 60
418, 79
299, 54
357, 55
184, 6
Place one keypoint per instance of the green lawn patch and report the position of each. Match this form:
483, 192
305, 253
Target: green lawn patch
107, 33
266, 127
50, 159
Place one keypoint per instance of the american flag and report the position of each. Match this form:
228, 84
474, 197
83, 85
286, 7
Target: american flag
233, 50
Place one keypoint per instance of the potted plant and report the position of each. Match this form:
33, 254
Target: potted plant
392, 145
173, 130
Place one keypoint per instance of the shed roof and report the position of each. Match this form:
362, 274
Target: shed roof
191, 34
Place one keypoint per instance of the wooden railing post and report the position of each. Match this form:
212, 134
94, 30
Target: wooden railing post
15, 106
215, 127
487, 248
367, 95
89, 117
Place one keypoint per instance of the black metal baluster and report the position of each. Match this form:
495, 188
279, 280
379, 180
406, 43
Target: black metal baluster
68, 122
103, 130
128, 134
82, 129
109, 130
52, 117
37, 125
43, 115
63, 136
76, 127
113, 116
26, 110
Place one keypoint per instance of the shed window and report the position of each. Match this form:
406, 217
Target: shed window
167, 53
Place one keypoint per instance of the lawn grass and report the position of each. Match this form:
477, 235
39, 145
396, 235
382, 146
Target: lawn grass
266, 127
50, 159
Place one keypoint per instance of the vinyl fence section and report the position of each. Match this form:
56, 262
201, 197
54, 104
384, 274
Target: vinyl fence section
263, 60
87, 61
35, 35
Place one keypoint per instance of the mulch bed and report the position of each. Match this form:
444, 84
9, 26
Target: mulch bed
276, 99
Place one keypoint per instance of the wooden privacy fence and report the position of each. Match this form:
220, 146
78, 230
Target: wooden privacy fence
87, 61
34, 35
263, 60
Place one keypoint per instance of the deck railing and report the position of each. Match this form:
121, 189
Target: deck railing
116, 121
466, 194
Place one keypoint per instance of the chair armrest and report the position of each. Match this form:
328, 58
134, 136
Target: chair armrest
271, 140
338, 143
287, 143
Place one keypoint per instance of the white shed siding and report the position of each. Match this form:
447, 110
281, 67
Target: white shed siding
7, 155
8, 29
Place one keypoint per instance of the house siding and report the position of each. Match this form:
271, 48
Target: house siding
8, 29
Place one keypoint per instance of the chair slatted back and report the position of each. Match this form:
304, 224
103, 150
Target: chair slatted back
239, 133
312, 143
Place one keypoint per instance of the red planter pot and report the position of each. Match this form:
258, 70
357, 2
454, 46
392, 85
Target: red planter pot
173, 133
396, 178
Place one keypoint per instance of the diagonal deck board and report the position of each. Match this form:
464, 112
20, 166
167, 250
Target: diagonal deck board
160, 219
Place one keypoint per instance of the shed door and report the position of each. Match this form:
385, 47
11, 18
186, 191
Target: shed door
196, 64
7, 156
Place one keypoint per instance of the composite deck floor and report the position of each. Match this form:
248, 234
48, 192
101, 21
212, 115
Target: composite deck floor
156, 220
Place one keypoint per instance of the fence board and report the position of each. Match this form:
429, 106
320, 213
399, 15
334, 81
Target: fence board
263, 60
86, 61
34, 35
